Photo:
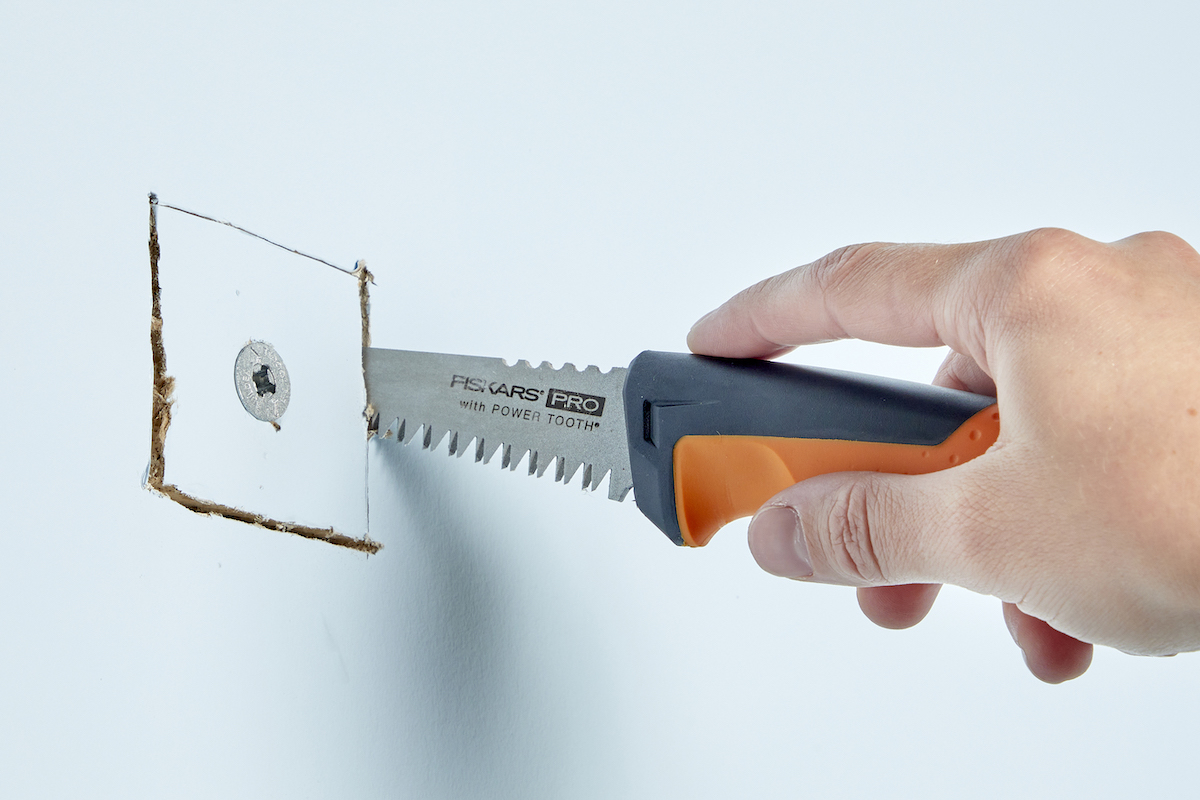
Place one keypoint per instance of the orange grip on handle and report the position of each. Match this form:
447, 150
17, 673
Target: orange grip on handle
722, 478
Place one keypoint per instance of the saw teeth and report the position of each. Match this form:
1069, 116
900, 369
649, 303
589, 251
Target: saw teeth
465, 421
616, 492
565, 469
434, 436
569, 470
597, 478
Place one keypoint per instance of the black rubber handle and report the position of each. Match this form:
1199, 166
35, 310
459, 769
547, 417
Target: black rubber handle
672, 395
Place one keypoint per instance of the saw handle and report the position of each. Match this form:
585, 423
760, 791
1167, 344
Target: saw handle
711, 440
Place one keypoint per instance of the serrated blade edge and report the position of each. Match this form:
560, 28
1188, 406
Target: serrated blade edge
567, 417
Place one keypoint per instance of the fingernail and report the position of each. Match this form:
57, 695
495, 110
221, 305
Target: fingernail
777, 542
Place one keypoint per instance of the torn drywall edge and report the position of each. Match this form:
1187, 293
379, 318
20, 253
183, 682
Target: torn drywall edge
364, 303
163, 384
164, 387
365, 278
364, 545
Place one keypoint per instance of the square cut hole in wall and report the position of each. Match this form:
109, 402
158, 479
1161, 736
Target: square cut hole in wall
258, 380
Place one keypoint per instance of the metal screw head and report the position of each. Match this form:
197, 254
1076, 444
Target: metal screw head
262, 381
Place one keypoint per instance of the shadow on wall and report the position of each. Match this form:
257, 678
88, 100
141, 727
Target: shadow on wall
482, 719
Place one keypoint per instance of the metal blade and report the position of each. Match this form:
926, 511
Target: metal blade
569, 417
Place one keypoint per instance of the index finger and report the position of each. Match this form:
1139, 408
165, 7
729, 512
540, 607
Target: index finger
916, 295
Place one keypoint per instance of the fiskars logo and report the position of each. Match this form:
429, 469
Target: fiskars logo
564, 400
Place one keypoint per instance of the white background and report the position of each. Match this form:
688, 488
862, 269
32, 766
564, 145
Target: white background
546, 181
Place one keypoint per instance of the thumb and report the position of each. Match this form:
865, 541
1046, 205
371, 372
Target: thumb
861, 529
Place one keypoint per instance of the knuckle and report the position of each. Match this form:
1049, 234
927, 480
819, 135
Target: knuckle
765, 290
1046, 255
1161, 246
1047, 267
831, 276
842, 276
1048, 244
1162, 241
852, 551
832, 272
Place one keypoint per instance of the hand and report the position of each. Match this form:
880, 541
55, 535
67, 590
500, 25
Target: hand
1084, 517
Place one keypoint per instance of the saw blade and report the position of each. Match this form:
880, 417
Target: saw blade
572, 418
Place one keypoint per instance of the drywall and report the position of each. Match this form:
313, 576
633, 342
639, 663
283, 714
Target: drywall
540, 181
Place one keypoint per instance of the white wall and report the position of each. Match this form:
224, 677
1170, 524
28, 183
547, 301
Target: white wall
544, 181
